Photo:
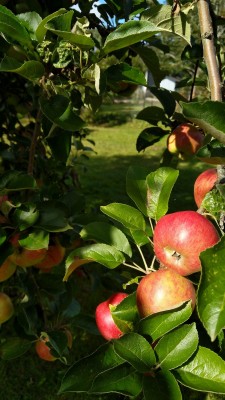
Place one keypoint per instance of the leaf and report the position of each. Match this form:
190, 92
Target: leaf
152, 115
125, 314
11, 26
71, 266
53, 217
125, 73
161, 385
30, 20
212, 152
159, 324
166, 99
58, 109
35, 240
129, 33
160, 184
177, 347
15, 180
208, 115
136, 187
101, 253
107, 233
103, 359
129, 216
31, 70
25, 216
14, 347
41, 29
122, 379
205, 372
136, 350
149, 136
151, 60
211, 295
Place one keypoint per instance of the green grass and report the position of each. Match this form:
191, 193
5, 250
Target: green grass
102, 179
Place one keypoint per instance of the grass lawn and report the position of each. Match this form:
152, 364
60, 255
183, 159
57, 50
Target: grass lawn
102, 179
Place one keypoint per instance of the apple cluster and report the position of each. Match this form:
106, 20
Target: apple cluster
178, 240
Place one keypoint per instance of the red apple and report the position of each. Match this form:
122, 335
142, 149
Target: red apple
43, 350
104, 319
6, 308
185, 140
180, 237
25, 257
54, 256
203, 184
7, 269
163, 290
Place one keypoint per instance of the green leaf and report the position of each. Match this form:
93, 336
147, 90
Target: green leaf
35, 240
14, 347
136, 187
125, 73
41, 29
166, 99
125, 314
122, 379
159, 324
60, 145
53, 217
176, 347
30, 20
25, 216
205, 371
212, 152
161, 385
153, 115
15, 180
58, 109
136, 350
107, 233
160, 184
103, 359
149, 136
101, 253
208, 115
129, 33
151, 60
211, 295
11, 26
129, 216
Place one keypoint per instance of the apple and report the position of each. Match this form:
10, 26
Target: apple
6, 308
104, 320
163, 290
180, 237
7, 269
25, 257
54, 256
203, 184
185, 140
44, 351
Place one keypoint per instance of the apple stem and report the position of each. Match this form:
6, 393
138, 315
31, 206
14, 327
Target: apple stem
143, 258
151, 268
134, 267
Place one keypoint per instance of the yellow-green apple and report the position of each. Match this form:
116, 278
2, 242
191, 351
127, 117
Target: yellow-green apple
203, 184
163, 290
54, 256
7, 269
25, 257
6, 308
104, 320
185, 140
180, 237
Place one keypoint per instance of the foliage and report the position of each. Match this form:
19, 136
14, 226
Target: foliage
56, 63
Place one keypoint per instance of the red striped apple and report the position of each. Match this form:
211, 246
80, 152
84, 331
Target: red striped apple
104, 320
203, 184
180, 237
163, 290
185, 140
25, 257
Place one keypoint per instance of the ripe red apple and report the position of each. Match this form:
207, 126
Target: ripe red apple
7, 269
54, 256
180, 237
203, 184
25, 257
185, 140
163, 290
104, 319
6, 308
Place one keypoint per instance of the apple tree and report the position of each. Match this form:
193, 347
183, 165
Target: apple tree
55, 62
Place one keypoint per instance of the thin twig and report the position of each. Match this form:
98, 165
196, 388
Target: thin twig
132, 266
37, 129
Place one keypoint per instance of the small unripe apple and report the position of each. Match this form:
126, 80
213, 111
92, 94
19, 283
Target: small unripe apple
25, 257
203, 184
185, 140
104, 320
7, 269
6, 308
163, 290
180, 237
